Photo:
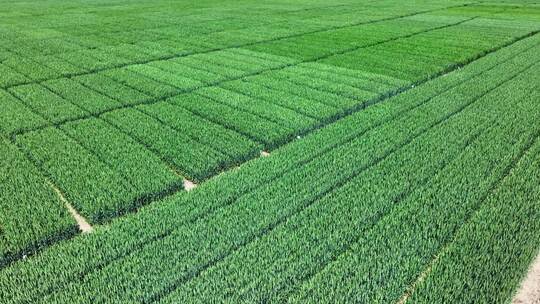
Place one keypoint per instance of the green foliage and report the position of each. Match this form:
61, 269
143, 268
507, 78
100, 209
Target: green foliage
78, 94
403, 142
88, 183
145, 172
507, 221
254, 127
47, 104
32, 213
16, 116
224, 140
196, 161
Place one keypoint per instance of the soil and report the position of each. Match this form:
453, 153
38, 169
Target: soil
189, 185
83, 224
529, 292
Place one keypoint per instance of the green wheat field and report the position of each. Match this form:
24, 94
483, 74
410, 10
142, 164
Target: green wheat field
305, 151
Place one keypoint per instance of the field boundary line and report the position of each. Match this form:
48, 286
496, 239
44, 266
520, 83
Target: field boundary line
283, 66
320, 124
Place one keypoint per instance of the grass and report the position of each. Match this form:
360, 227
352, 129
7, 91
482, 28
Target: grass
403, 146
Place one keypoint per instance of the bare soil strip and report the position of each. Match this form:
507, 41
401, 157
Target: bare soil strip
529, 291
189, 185
83, 224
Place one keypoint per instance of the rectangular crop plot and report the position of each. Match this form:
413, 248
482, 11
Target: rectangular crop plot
17, 116
47, 104
92, 186
192, 159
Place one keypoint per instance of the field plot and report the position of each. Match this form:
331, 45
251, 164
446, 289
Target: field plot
268, 151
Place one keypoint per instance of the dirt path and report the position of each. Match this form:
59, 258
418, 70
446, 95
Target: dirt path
189, 185
83, 224
529, 292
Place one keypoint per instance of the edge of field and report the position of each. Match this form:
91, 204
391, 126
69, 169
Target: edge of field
529, 289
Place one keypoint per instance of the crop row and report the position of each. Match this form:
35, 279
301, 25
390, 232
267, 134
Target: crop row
121, 93
15, 116
490, 253
386, 128
157, 74
98, 82
412, 66
111, 165
96, 34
